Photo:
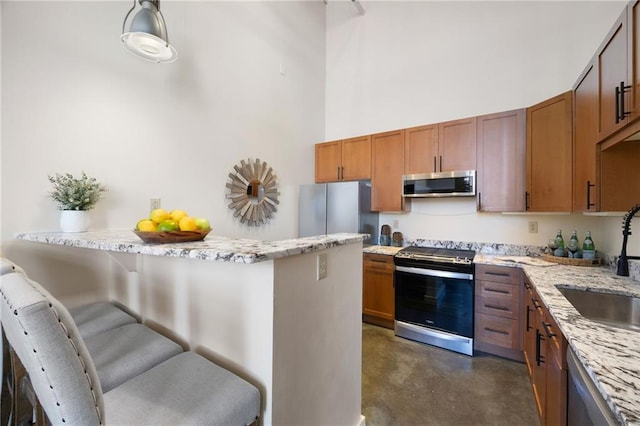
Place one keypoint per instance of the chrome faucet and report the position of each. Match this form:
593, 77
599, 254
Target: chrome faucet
623, 261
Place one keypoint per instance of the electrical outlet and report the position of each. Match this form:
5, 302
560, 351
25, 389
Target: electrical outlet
533, 227
322, 267
154, 203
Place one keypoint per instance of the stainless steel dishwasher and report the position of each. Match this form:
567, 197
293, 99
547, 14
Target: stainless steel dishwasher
586, 405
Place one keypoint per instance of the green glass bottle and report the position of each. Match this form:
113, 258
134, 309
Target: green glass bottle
559, 251
573, 246
588, 248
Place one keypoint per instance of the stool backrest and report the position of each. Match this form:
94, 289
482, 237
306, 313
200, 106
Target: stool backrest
45, 338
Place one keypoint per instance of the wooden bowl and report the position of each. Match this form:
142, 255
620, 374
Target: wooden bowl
172, 236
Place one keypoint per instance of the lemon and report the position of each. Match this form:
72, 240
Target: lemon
203, 223
177, 215
168, 225
146, 225
188, 224
158, 215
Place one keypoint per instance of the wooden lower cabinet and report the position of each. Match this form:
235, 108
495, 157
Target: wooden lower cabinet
545, 350
497, 311
378, 296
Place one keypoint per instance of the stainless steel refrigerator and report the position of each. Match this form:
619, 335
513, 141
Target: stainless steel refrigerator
328, 208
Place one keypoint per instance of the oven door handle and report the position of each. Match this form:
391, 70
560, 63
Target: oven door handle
434, 273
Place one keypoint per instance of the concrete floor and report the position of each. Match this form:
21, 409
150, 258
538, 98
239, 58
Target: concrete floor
410, 383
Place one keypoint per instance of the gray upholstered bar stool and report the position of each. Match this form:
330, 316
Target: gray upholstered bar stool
185, 389
120, 347
91, 319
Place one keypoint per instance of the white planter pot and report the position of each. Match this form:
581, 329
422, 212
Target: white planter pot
74, 220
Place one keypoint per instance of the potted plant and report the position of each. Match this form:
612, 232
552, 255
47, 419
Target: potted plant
75, 196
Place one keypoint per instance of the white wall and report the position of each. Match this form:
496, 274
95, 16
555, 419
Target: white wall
404, 64
73, 99
317, 359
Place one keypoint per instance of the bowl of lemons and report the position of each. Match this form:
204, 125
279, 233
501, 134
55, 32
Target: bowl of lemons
175, 226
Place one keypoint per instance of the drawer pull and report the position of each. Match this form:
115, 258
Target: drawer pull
493, 330
498, 274
493, 290
547, 329
499, 308
377, 261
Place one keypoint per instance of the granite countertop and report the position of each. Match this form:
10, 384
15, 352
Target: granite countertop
610, 355
388, 250
238, 250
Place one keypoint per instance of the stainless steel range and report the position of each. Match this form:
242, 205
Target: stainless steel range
434, 292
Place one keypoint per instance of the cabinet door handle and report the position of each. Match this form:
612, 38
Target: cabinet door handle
435, 168
539, 339
526, 200
617, 106
493, 330
589, 203
480, 201
441, 163
528, 317
341, 172
621, 114
338, 172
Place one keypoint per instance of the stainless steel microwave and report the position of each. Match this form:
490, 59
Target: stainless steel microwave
444, 184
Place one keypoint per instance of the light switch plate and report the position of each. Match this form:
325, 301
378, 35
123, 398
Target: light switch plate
322, 267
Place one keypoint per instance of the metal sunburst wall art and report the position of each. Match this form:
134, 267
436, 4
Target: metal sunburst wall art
253, 192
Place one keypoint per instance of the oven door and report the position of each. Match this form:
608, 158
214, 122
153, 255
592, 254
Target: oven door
441, 300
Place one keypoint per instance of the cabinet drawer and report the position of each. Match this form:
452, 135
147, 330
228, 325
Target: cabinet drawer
501, 274
557, 343
498, 299
497, 331
378, 262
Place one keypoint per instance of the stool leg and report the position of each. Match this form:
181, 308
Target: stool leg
7, 377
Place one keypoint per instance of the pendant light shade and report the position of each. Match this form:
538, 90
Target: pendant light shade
147, 36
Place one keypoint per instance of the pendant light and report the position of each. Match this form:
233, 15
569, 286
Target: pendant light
147, 36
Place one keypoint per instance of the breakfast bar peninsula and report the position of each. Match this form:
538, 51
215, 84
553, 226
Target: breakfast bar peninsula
260, 308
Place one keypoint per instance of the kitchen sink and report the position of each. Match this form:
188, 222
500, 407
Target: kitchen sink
613, 309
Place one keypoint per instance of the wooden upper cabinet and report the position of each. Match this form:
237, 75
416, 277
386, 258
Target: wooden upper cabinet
549, 143
356, 158
457, 145
501, 161
616, 74
441, 147
343, 160
633, 41
620, 184
387, 158
328, 161
421, 149
585, 139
